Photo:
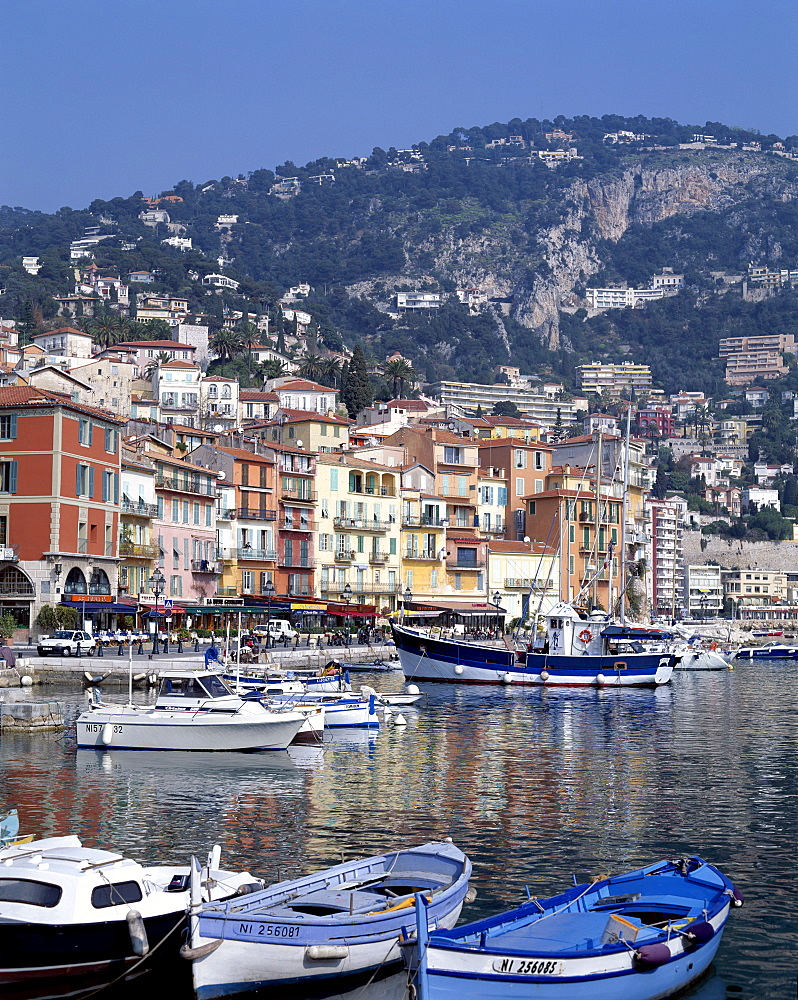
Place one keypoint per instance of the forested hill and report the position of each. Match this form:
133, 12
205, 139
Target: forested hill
507, 209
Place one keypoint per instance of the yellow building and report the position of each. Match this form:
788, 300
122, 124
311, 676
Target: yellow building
526, 577
614, 380
357, 532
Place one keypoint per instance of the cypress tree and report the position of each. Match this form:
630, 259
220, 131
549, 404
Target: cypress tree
357, 392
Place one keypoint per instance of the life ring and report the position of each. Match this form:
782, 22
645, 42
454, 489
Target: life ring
713, 646
585, 635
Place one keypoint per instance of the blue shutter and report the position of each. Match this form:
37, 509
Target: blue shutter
91, 480
116, 487
105, 486
12, 474
12, 431
91, 433
77, 480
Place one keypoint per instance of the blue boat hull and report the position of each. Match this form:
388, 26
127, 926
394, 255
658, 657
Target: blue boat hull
427, 659
640, 936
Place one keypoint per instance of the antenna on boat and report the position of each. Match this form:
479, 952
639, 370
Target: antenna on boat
623, 514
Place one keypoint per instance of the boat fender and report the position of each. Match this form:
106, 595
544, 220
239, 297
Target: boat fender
544, 675
137, 932
412, 689
650, 955
700, 933
600, 678
322, 951
738, 899
458, 669
247, 888
400, 720
471, 895
506, 678
107, 734
192, 954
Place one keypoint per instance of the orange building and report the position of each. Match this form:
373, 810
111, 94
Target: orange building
59, 502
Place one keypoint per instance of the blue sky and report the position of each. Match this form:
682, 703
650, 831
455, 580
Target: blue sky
103, 99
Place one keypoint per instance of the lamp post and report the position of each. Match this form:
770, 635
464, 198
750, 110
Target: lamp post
157, 583
347, 596
497, 601
269, 591
407, 597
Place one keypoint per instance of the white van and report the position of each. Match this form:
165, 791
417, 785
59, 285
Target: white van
277, 629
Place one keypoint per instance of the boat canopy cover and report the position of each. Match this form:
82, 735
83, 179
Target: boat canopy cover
634, 632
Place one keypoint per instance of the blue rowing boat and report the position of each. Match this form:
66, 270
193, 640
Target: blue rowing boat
638, 936
575, 649
335, 928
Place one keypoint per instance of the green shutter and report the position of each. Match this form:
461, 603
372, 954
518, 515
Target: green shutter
392, 546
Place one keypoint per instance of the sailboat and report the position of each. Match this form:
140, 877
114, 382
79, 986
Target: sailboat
576, 647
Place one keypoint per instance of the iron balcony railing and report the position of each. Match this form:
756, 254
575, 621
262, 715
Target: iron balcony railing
414, 521
181, 486
204, 566
301, 524
426, 556
265, 555
303, 562
377, 557
137, 551
139, 508
375, 491
309, 496
256, 513
361, 524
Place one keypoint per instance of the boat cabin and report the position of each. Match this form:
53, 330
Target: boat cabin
184, 688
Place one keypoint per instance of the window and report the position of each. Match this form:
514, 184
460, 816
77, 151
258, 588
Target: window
20, 890
84, 431
247, 581
540, 460
8, 477
462, 486
245, 475
176, 586
433, 579
115, 894
501, 495
208, 514
175, 511
323, 430
196, 512
466, 557
185, 511
519, 458
520, 489
452, 456
110, 440
458, 581
392, 546
110, 487
84, 480
175, 553
8, 426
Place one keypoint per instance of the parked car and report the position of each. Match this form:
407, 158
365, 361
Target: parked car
66, 642
277, 629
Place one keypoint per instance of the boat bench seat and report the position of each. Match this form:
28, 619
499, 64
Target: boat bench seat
563, 932
334, 900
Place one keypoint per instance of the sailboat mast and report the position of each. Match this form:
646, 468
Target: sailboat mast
596, 546
624, 505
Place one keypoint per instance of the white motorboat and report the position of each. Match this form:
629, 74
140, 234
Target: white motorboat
195, 710
76, 919
701, 659
345, 710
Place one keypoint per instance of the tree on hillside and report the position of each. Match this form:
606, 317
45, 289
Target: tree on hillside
506, 408
226, 344
398, 372
311, 366
357, 393
272, 368
330, 372
160, 359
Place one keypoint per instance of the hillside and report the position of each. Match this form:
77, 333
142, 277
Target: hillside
479, 208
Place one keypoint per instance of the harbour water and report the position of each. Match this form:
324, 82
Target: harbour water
535, 785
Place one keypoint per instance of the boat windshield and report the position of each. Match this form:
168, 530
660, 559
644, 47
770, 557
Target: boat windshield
215, 686
182, 687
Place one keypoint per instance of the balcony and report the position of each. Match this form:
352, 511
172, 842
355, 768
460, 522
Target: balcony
303, 524
492, 529
264, 555
304, 496
377, 558
225, 513
139, 508
299, 466
479, 563
522, 583
294, 591
361, 524
135, 551
374, 491
303, 562
413, 521
204, 566
335, 592
256, 513
227, 592
181, 486
424, 556
345, 555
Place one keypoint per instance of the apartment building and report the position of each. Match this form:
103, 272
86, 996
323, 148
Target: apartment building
540, 407
519, 470
59, 502
665, 578
138, 507
703, 591
598, 377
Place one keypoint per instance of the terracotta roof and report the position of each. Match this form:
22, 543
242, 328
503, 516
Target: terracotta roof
296, 416
174, 344
250, 456
181, 364
193, 430
303, 385
587, 439
212, 378
25, 395
255, 396
61, 329
496, 421
446, 437
511, 443
526, 548
408, 404
332, 458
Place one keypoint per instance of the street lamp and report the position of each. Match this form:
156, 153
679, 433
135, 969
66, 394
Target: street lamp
497, 601
407, 597
157, 583
347, 596
269, 591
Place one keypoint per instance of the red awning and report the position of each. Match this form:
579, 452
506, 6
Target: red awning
354, 613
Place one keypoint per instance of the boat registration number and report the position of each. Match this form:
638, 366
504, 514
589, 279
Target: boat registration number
269, 930
528, 967
97, 727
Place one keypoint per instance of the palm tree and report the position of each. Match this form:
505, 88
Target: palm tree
226, 344
160, 359
272, 369
330, 372
311, 366
398, 372
105, 330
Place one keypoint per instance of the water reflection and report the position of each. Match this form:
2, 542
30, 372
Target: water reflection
534, 785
